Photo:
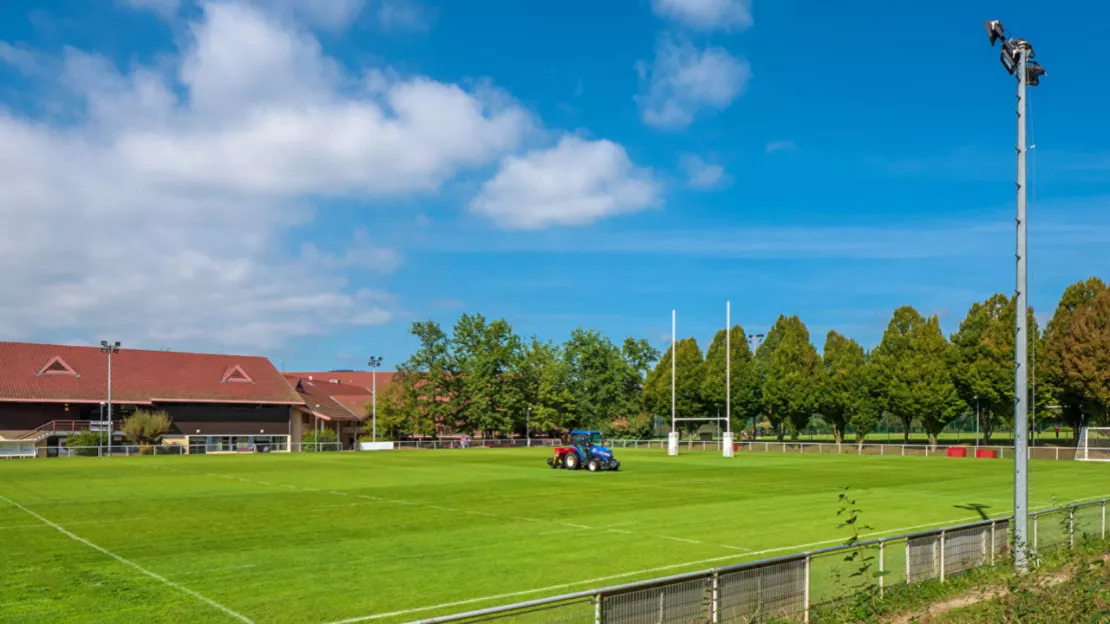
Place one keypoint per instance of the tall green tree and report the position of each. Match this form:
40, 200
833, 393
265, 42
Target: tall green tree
788, 371
745, 403
1085, 359
1051, 372
543, 387
485, 354
431, 381
983, 365
843, 389
601, 382
890, 370
932, 392
687, 385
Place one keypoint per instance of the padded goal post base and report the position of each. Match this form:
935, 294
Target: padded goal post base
727, 446
672, 443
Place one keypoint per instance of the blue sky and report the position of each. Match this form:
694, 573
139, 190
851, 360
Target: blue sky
305, 179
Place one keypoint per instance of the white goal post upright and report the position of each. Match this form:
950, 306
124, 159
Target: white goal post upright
1094, 444
672, 437
726, 444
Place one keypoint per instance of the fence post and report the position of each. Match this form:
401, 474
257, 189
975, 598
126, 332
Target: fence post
1071, 527
1057, 453
1103, 519
908, 568
942, 549
716, 605
993, 524
903, 450
805, 618
1036, 519
597, 608
882, 567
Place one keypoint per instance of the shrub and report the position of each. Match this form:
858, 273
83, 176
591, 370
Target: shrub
86, 443
145, 428
311, 439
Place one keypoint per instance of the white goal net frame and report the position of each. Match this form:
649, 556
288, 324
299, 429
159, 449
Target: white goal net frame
1094, 444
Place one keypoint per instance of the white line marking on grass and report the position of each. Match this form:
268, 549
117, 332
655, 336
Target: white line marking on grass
523, 519
40, 526
128, 562
619, 531
681, 539
223, 569
614, 577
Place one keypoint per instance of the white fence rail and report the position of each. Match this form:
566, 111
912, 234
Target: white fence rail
797, 587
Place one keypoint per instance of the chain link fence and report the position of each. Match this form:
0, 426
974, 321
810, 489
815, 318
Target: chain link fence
793, 588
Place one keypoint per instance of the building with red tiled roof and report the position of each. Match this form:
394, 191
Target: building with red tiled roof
332, 405
215, 401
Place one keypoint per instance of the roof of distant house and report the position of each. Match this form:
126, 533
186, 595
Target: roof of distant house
33, 372
330, 399
363, 379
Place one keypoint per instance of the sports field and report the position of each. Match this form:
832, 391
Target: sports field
386, 537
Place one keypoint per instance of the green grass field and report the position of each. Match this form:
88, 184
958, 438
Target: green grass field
322, 538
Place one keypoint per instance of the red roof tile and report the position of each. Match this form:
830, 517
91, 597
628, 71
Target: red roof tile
363, 379
137, 376
330, 399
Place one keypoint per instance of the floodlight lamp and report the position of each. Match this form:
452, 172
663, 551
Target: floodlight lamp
995, 30
1033, 73
1009, 57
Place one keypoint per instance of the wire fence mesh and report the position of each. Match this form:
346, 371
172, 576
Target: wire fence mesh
672, 603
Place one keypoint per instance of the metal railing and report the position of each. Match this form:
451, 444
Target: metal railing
850, 448
799, 586
490, 443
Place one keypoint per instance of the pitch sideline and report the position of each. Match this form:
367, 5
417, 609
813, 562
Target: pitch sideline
128, 562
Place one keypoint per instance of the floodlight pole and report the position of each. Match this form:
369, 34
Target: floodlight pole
109, 348
1021, 377
374, 363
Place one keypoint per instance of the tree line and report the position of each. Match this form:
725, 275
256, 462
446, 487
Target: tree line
482, 377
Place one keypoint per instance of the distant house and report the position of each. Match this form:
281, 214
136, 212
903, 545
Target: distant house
216, 402
330, 404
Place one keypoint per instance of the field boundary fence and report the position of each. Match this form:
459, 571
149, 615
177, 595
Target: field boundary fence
819, 448
851, 448
796, 587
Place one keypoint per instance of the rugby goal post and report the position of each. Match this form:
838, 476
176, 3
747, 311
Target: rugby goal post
1094, 444
673, 440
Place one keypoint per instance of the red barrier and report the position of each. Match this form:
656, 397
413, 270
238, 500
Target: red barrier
735, 447
986, 453
957, 451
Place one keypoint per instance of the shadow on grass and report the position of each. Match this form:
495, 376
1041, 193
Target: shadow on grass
977, 508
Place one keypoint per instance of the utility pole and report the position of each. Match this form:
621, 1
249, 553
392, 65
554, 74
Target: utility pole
1016, 58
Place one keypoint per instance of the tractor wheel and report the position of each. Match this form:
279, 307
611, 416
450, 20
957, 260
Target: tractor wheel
593, 465
570, 461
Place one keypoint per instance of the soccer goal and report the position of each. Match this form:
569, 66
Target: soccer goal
1094, 444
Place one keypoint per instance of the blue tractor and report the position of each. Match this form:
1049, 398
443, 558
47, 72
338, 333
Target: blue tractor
587, 448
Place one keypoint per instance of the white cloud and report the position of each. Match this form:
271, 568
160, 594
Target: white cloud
320, 13
162, 210
779, 146
403, 15
684, 81
165, 8
576, 182
701, 174
706, 14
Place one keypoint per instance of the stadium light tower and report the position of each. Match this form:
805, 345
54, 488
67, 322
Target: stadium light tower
374, 364
1017, 55
110, 349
